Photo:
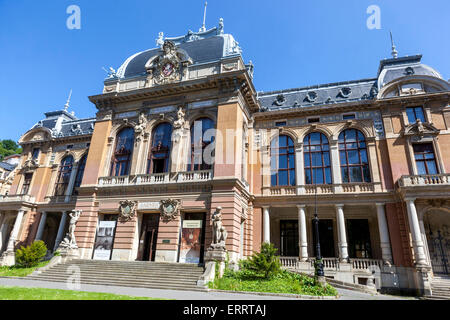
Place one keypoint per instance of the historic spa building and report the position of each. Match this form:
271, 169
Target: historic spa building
181, 130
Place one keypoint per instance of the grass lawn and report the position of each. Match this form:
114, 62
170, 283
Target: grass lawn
20, 293
284, 282
16, 271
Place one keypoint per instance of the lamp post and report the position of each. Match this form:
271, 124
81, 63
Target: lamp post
318, 265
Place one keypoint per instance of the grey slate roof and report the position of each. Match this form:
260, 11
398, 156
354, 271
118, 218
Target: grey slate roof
202, 47
77, 128
318, 95
7, 166
70, 126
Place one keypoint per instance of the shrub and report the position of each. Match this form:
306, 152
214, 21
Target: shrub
31, 256
265, 262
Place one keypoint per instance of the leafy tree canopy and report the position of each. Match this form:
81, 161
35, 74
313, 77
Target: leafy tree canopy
8, 147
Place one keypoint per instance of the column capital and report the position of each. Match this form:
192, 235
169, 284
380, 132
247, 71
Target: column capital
301, 206
410, 199
265, 207
380, 204
339, 206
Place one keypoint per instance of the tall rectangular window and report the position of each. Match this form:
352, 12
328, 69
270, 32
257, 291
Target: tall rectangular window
27, 183
35, 153
425, 158
414, 114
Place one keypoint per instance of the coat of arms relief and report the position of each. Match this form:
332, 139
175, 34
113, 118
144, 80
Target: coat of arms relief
169, 66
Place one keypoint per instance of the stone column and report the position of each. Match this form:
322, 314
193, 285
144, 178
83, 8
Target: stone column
61, 228
303, 242
414, 226
385, 242
15, 231
335, 165
266, 224
41, 227
342, 235
299, 168
69, 190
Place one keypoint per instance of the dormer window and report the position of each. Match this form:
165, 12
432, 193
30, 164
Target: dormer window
35, 154
414, 114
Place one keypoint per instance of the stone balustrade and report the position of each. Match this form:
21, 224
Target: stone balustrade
329, 264
363, 264
424, 180
157, 178
322, 189
17, 198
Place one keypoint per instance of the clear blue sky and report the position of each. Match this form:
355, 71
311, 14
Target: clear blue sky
292, 43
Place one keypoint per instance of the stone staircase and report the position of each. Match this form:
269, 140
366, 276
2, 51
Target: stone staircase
440, 288
136, 274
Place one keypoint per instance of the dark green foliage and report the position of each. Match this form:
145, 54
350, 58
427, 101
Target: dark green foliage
283, 282
265, 263
8, 147
31, 256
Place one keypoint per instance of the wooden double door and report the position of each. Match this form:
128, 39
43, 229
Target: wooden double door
148, 237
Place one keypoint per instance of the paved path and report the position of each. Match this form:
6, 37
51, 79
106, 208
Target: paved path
180, 295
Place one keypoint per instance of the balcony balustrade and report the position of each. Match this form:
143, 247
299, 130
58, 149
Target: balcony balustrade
311, 189
424, 180
157, 178
17, 198
329, 264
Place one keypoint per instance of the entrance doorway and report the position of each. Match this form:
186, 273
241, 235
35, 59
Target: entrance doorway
326, 237
148, 237
437, 229
359, 238
192, 235
289, 238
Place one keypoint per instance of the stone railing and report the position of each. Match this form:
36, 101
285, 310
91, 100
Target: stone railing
328, 263
152, 178
283, 191
17, 198
114, 181
424, 180
157, 178
60, 199
194, 176
357, 187
363, 264
289, 262
321, 188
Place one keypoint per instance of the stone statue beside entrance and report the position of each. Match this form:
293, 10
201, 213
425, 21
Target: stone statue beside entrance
69, 241
219, 232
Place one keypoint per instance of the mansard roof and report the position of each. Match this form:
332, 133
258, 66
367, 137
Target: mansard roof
63, 124
331, 93
202, 47
7, 166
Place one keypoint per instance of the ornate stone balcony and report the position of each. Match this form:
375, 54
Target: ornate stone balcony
17, 198
158, 178
322, 189
60, 199
424, 180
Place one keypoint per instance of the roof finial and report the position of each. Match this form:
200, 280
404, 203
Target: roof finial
203, 28
394, 50
67, 105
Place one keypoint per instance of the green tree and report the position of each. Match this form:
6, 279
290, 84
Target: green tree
265, 262
8, 147
31, 256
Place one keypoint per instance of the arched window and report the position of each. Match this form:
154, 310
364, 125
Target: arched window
199, 142
80, 173
317, 159
353, 156
123, 152
282, 161
159, 155
65, 170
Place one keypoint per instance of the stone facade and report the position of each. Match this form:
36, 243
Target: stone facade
351, 154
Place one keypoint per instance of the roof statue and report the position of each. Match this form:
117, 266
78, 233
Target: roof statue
160, 40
